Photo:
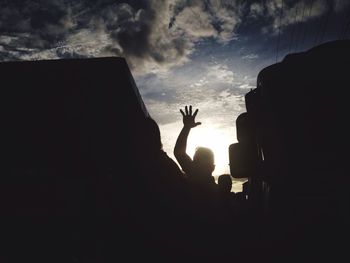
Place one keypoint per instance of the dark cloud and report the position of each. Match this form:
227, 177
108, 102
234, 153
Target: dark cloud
138, 30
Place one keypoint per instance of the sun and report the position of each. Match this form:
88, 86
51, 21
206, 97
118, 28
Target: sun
218, 140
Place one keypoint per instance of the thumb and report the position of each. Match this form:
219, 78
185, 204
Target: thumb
198, 123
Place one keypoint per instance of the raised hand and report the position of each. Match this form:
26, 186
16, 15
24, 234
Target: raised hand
189, 118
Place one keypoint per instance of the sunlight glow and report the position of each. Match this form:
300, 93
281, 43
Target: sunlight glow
218, 140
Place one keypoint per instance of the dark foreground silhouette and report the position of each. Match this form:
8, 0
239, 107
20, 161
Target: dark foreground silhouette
84, 177
294, 137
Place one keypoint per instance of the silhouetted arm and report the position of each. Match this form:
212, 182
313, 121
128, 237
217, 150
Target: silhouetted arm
181, 142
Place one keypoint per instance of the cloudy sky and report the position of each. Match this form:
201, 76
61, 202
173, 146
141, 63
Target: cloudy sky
201, 52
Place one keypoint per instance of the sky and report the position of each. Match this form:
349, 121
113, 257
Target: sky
204, 53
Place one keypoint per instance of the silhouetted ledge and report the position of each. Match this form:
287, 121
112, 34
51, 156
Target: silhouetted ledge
300, 110
68, 145
71, 119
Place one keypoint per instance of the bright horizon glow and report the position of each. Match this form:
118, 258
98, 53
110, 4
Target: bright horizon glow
218, 140
206, 135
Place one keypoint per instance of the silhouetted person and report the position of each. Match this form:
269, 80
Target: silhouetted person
235, 202
153, 152
158, 196
159, 172
199, 170
225, 183
228, 201
202, 187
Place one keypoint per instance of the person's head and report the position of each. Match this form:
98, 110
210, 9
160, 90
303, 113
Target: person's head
225, 183
151, 135
203, 158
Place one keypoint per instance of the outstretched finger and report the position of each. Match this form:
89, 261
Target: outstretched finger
190, 109
198, 123
195, 113
186, 110
182, 112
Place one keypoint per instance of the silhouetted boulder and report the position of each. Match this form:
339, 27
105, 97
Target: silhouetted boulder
299, 110
68, 146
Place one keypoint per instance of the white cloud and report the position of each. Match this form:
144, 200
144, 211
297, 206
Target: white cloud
293, 14
284, 13
256, 10
228, 16
220, 74
246, 86
250, 56
195, 23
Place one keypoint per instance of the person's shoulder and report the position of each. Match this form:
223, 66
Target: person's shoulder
164, 156
166, 160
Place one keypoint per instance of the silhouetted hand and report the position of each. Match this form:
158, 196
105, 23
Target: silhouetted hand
188, 117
